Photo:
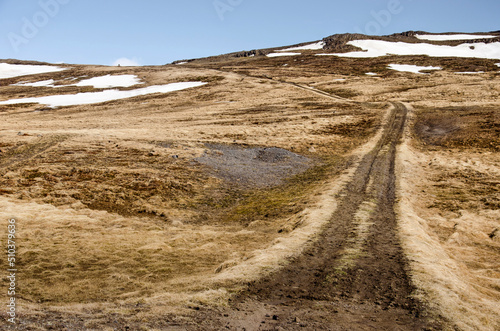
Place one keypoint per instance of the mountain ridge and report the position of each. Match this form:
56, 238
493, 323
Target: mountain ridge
338, 43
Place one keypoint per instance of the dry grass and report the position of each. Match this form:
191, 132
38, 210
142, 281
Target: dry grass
448, 217
464, 128
113, 208
116, 218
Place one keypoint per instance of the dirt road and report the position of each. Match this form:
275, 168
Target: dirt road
353, 278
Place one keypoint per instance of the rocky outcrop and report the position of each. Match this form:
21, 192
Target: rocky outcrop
338, 42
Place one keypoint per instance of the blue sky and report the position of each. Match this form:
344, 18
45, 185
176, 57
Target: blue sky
161, 31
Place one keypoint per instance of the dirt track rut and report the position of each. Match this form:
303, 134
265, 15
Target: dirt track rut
354, 277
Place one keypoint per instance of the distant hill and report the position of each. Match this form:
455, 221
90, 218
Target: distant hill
340, 43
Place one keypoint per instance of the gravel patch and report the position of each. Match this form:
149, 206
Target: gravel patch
253, 166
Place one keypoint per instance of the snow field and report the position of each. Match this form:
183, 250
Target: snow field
17, 70
411, 68
434, 37
377, 48
98, 97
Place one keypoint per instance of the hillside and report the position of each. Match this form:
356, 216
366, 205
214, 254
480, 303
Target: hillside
345, 183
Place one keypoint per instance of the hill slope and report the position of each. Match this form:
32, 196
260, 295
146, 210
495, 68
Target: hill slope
265, 189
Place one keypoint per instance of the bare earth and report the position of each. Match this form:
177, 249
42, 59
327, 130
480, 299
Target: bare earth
287, 193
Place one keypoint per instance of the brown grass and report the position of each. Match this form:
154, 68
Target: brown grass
449, 212
112, 207
460, 127
115, 217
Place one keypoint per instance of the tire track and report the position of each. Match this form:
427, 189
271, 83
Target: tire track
354, 277
320, 92
20, 155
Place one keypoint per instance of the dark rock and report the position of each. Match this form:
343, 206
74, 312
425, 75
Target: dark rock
338, 42
153, 153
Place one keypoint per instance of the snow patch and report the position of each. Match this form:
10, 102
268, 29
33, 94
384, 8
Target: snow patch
411, 68
377, 48
282, 54
43, 83
497, 64
16, 70
109, 81
434, 37
98, 97
315, 46
371, 74
470, 72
